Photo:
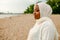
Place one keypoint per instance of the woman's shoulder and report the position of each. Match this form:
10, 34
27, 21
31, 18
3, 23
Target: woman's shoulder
48, 21
48, 24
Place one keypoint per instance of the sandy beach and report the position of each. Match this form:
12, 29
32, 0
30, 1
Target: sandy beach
17, 27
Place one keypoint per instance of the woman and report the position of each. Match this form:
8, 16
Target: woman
44, 29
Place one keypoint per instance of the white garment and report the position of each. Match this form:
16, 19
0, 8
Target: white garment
44, 29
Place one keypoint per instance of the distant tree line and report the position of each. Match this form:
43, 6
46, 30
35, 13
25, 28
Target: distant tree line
29, 9
55, 4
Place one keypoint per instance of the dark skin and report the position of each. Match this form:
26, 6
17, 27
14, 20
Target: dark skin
36, 12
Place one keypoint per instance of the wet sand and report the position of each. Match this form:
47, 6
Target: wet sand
17, 27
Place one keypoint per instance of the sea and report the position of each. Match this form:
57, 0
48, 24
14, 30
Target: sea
9, 15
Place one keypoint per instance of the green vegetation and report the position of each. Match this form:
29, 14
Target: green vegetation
29, 9
55, 4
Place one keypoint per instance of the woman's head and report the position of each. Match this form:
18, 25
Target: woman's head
42, 10
36, 12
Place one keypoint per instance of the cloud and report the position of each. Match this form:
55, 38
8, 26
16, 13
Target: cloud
14, 6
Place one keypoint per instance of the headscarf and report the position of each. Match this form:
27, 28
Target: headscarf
45, 9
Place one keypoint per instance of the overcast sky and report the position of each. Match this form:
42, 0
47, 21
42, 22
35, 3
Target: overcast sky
15, 6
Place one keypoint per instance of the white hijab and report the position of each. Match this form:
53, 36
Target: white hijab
45, 9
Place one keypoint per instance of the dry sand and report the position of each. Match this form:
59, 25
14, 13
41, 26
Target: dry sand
17, 27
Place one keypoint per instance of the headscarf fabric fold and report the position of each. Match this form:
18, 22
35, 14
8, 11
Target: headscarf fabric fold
45, 9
